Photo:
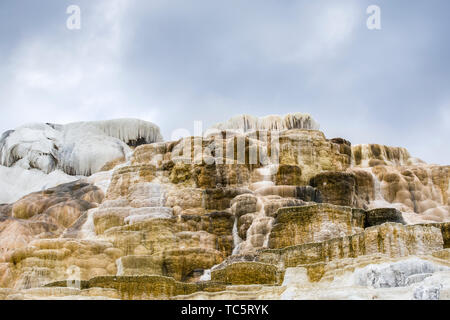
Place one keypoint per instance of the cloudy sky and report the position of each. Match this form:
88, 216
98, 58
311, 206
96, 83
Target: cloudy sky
177, 61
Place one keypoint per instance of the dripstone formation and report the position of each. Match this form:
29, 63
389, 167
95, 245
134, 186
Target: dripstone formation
257, 208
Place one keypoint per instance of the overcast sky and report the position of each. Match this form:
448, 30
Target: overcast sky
174, 62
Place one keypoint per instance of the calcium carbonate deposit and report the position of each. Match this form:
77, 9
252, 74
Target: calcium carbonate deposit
257, 208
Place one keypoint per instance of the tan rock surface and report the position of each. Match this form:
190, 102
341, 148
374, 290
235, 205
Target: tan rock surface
309, 217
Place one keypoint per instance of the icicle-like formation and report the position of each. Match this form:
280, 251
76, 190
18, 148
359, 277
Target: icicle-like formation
130, 131
81, 148
85, 149
247, 123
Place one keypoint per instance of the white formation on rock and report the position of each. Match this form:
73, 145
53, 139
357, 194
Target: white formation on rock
101, 179
39, 156
409, 279
81, 148
172, 220
88, 228
206, 276
130, 131
237, 241
17, 182
148, 213
247, 123
119, 265
399, 274
30, 146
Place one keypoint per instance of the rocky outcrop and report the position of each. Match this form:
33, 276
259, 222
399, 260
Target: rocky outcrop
416, 189
314, 223
180, 264
65, 202
127, 177
145, 287
248, 273
48, 260
289, 175
393, 239
445, 229
220, 198
336, 187
312, 152
371, 155
46, 214
381, 215
258, 209
364, 188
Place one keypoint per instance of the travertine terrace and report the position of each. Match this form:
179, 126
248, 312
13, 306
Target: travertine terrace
257, 208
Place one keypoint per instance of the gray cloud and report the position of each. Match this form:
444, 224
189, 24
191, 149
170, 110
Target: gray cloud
174, 62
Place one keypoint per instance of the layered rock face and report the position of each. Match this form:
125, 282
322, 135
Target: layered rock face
46, 214
257, 208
